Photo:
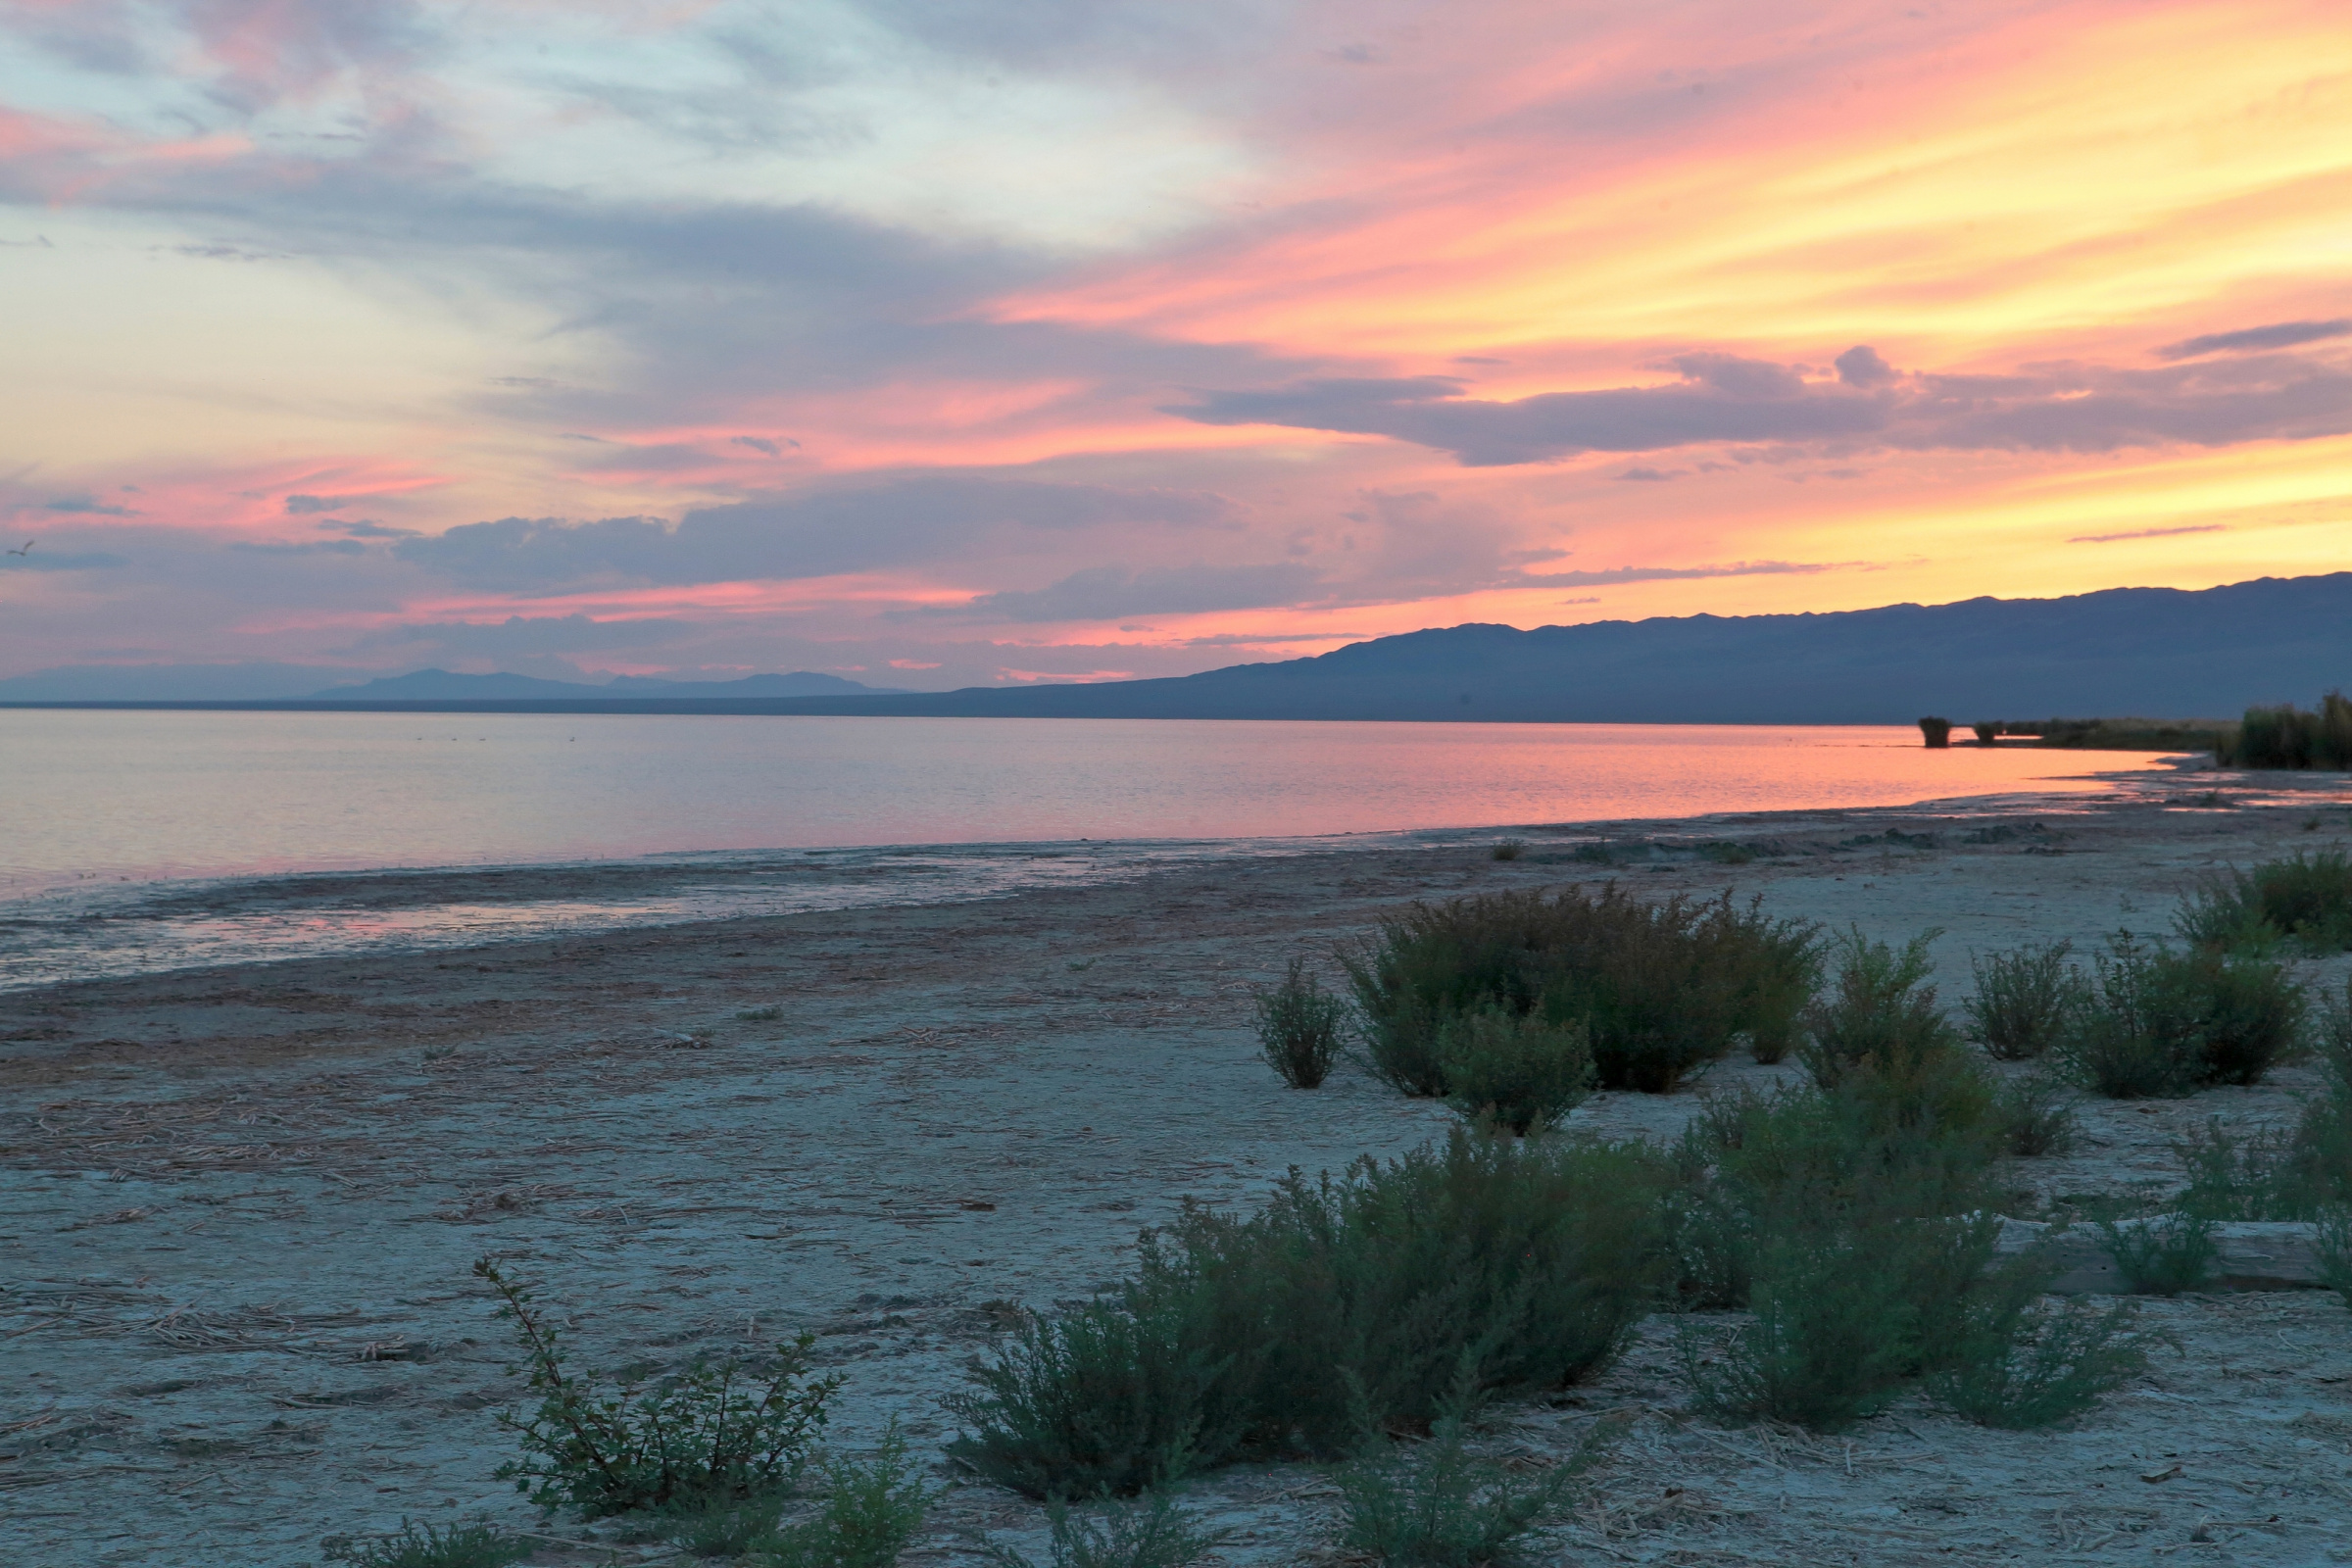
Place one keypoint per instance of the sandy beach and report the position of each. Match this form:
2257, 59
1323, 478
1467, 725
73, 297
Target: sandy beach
242, 1202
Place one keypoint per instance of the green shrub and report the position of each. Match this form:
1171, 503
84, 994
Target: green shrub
2019, 1364
1664, 989
869, 1513
727, 1527
2023, 1000
2306, 898
1110, 1397
2286, 737
2161, 1023
712, 1433
1880, 1011
426, 1546
1299, 1027
1835, 1332
1147, 1533
1507, 850
2037, 1116
1523, 1072
2163, 1255
1438, 1506
1341, 1301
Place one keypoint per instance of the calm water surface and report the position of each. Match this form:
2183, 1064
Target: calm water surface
143, 840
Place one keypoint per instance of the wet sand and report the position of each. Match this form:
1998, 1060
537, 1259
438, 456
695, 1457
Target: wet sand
242, 1202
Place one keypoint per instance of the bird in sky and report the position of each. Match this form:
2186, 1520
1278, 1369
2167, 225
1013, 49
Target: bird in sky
27, 550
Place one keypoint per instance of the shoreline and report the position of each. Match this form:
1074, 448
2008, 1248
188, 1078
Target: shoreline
67, 935
242, 1202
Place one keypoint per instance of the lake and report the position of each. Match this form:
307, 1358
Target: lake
147, 840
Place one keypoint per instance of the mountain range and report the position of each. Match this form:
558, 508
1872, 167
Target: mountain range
2160, 652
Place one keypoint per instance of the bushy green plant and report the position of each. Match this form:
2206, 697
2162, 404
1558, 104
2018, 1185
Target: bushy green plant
1522, 1073
1343, 1299
429, 1545
1437, 1506
869, 1513
2018, 1363
2023, 1000
714, 1432
1114, 1396
2162, 1254
1507, 850
1147, 1533
1664, 989
1299, 1027
2163, 1022
1878, 1008
2037, 1116
727, 1527
2306, 898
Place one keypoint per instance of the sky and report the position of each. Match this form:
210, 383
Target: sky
939, 342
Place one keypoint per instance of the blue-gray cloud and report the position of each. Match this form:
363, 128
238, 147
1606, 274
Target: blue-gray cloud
86, 506
2278, 336
1107, 593
811, 534
1722, 398
521, 635
1742, 568
307, 547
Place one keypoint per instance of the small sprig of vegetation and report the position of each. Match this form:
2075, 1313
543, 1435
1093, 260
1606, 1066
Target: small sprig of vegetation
2286, 737
1437, 1506
1299, 1027
2333, 1244
1522, 1074
1507, 850
1147, 1533
869, 1513
1345, 1301
2037, 1116
1662, 988
2023, 1000
429, 1545
711, 1433
2162, 1254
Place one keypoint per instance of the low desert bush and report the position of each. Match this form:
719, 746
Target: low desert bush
1147, 1533
429, 1545
2286, 737
1299, 1025
2023, 1000
2037, 1116
1507, 850
1664, 989
1342, 1301
1437, 1505
1110, 1397
1833, 1338
711, 1432
1521, 1072
727, 1527
2018, 1363
2163, 1022
2162, 1254
1879, 1012
2306, 898
869, 1513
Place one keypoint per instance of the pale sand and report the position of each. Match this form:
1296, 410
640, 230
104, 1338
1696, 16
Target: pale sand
241, 1205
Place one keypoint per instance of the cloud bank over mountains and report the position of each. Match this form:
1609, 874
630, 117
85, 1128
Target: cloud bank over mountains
948, 344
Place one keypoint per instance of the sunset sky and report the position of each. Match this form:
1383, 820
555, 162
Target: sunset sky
941, 342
